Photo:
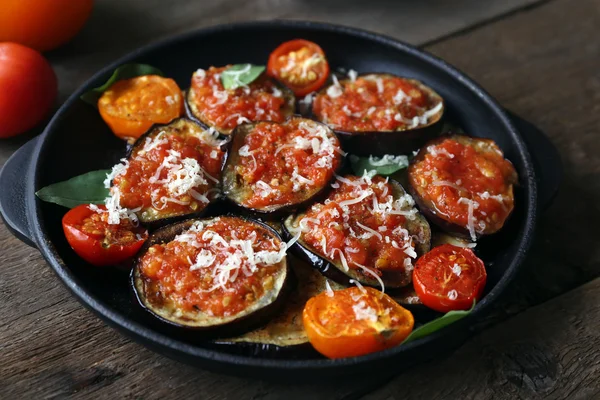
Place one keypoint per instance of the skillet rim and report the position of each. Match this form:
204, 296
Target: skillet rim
203, 356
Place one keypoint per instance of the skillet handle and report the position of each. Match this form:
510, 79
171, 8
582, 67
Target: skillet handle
13, 188
545, 157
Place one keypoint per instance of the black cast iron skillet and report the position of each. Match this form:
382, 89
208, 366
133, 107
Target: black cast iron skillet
77, 141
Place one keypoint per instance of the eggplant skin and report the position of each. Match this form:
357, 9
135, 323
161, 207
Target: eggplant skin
177, 124
199, 325
234, 190
419, 227
195, 114
428, 209
380, 143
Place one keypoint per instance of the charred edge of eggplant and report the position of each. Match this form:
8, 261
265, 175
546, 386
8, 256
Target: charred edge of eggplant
277, 211
379, 143
331, 270
238, 326
431, 215
193, 114
428, 209
208, 209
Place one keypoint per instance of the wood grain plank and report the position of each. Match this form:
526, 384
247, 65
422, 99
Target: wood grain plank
541, 63
551, 351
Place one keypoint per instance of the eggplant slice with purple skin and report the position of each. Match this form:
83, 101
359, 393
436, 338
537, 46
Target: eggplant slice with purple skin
418, 227
193, 112
401, 141
429, 209
284, 334
198, 324
237, 191
151, 216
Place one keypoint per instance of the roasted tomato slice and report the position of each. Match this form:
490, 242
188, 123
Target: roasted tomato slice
131, 106
300, 65
355, 321
449, 278
96, 241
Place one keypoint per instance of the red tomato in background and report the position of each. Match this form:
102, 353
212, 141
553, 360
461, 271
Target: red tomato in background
28, 88
97, 241
42, 24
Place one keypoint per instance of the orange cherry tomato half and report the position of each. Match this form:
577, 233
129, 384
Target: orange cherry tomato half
98, 242
131, 106
353, 323
300, 65
449, 278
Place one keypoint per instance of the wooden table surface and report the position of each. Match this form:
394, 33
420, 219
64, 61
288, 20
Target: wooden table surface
540, 59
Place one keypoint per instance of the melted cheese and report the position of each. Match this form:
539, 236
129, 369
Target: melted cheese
336, 89
117, 170
239, 257
364, 312
471, 206
436, 151
185, 176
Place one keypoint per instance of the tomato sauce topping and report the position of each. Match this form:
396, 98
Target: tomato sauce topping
225, 109
363, 226
174, 172
376, 103
96, 226
220, 267
467, 180
285, 163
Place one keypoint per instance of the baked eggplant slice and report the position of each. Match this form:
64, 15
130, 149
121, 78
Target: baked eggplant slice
378, 114
275, 167
367, 230
218, 276
209, 103
284, 334
463, 184
439, 238
173, 171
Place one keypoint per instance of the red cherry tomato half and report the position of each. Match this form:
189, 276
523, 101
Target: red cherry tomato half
96, 241
28, 88
449, 278
300, 65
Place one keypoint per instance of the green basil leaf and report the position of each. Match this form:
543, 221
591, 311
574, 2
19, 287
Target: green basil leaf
83, 189
123, 72
240, 75
437, 324
385, 165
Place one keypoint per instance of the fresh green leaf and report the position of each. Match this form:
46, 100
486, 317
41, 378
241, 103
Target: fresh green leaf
83, 189
437, 324
123, 72
385, 165
240, 75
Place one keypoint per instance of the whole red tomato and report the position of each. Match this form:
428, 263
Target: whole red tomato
42, 24
28, 88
